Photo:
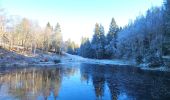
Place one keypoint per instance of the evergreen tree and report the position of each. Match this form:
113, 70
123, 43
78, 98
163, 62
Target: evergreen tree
85, 48
47, 34
72, 48
98, 41
166, 44
111, 39
57, 39
113, 30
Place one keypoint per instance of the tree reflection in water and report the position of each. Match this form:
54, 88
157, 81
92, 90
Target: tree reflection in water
34, 82
101, 82
126, 82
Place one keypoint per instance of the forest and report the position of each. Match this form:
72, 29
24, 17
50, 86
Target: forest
85, 47
145, 40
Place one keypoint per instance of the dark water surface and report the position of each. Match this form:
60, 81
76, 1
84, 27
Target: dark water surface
83, 82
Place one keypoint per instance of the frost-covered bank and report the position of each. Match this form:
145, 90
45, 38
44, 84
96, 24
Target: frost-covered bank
12, 58
74, 59
8, 58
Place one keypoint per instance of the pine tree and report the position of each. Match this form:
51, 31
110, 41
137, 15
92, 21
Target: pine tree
72, 47
111, 39
112, 34
47, 34
98, 41
57, 39
166, 44
85, 48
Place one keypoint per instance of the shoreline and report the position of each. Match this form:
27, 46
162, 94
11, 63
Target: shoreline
26, 65
12, 59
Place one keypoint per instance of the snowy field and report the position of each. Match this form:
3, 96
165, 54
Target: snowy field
74, 58
11, 58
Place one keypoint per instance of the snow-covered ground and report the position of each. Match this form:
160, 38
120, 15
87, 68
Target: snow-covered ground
13, 58
145, 66
8, 58
74, 58
156, 69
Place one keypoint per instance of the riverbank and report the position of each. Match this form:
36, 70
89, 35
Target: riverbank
10, 59
75, 58
160, 68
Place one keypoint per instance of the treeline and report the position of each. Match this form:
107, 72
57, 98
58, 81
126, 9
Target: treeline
101, 46
24, 35
146, 39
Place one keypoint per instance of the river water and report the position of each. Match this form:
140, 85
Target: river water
83, 82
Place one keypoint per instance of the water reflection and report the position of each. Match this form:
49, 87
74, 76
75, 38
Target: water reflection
127, 83
29, 83
92, 81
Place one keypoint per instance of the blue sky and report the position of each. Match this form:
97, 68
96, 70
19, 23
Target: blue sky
78, 17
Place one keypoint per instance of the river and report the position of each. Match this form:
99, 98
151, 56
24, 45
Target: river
83, 82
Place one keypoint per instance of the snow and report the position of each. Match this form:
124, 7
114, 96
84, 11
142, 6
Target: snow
9, 59
162, 68
144, 66
166, 57
72, 59
75, 58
